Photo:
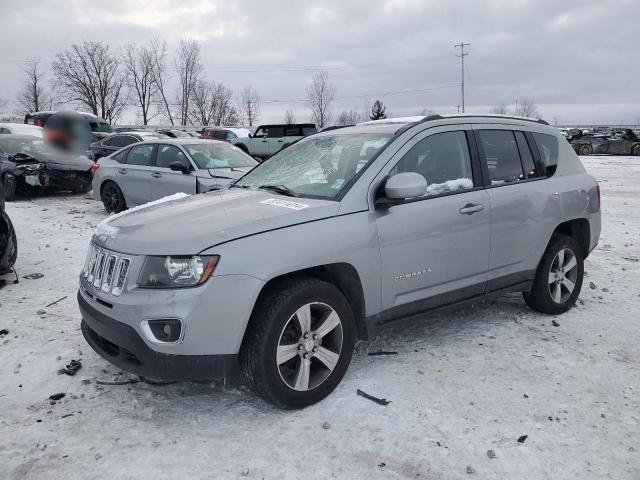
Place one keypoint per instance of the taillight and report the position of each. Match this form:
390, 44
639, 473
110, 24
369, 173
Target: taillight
597, 190
95, 167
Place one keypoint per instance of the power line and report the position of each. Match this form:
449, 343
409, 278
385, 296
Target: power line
462, 55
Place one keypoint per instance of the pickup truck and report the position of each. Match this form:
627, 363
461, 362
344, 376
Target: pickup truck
269, 139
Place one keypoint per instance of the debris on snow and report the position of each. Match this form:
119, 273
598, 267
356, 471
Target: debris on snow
554, 323
522, 438
379, 401
470, 470
71, 368
4, 332
33, 276
123, 382
491, 454
56, 396
59, 300
326, 426
592, 286
378, 354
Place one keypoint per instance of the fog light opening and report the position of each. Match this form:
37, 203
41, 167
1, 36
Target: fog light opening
165, 330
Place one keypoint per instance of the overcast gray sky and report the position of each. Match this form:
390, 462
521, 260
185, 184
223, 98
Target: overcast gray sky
577, 59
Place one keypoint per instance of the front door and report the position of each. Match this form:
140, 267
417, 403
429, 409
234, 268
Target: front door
435, 249
165, 181
259, 143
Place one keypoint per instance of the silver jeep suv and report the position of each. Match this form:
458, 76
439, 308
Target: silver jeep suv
276, 277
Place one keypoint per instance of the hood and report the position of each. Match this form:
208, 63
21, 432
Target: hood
56, 160
190, 225
229, 173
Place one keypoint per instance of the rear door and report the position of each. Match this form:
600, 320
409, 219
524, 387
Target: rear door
523, 211
134, 176
165, 181
435, 249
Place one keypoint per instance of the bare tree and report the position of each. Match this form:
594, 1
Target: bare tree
211, 104
158, 52
348, 117
426, 111
250, 105
33, 96
320, 95
500, 109
90, 75
289, 117
189, 68
527, 108
139, 65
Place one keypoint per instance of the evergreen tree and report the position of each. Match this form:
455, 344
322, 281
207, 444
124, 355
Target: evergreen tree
378, 111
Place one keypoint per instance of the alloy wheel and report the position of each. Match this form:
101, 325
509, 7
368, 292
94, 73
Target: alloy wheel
309, 346
563, 275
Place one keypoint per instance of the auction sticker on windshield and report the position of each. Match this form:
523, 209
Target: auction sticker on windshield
284, 203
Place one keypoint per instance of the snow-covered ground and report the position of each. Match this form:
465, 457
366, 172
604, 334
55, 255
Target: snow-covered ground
461, 384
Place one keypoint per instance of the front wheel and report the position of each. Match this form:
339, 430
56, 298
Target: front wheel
636, 150
112, 198
558, 278
585, 150
299, 343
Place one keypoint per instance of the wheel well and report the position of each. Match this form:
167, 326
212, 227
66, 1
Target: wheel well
242, 147
579, 229
344, 277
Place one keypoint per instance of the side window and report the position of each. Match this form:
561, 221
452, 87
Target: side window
501, 155
168, 154
530, 170
260, 132
121, 156
128, 140
231, 136
292, 131
275, 132
548, 148
219, 134
111, 142
140, 155
308, 130
443, 160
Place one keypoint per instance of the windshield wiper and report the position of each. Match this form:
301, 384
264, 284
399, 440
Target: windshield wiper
235, 185
281, 189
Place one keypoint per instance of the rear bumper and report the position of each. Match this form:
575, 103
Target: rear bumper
121, 345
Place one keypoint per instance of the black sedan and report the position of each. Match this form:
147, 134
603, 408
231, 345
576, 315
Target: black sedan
606, 145
8, 241
30, 165
115, 142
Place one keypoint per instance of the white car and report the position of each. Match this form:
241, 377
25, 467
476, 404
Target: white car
21, 129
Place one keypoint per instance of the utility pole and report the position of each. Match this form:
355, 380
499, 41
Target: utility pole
461, 45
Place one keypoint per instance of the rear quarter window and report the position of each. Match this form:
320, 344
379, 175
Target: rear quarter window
548, 148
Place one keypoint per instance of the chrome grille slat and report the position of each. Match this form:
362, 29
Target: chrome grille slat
106, 270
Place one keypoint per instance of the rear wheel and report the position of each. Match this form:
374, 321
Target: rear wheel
10, 186
558, 278
299, 343
636, 150
112, 198
585, 149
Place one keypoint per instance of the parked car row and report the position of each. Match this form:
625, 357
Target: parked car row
625, 143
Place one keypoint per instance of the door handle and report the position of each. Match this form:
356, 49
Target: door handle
156, 174
264, 141
280, 141
471, 208
122, 171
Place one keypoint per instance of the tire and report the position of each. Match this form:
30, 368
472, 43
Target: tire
275, 323
585, 149
10, 186
112, 198
82, 188
635, 150
555, 297
13, 255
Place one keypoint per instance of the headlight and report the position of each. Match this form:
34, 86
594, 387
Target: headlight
175, 272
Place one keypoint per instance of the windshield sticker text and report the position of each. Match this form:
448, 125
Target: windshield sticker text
284, 203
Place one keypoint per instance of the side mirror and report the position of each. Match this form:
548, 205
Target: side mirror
179, 167
250, 136
404, 185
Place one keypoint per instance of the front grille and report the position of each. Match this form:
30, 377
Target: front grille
106, 270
